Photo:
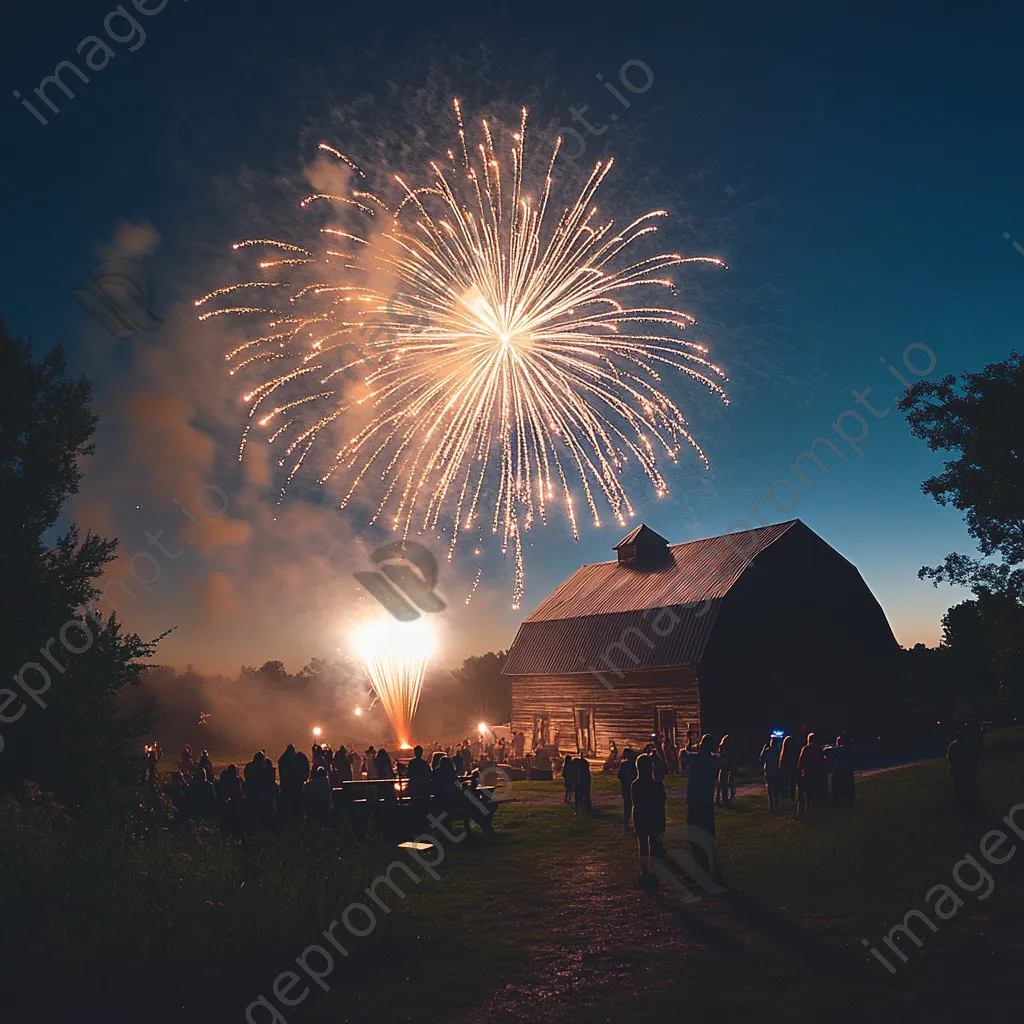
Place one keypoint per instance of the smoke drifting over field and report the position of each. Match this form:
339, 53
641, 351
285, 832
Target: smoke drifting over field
233, 716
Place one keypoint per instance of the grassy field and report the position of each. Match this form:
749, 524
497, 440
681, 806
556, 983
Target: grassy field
548, 923
543, 921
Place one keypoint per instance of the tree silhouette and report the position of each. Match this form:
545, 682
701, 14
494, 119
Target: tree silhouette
69, 737
980, 417
484, 690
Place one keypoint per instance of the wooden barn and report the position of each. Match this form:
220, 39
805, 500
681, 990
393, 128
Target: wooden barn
742, 633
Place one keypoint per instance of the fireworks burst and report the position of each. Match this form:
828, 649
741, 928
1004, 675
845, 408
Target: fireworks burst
395, 655
508, 356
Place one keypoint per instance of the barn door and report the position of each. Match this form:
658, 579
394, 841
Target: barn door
665, 725
541, 736
585, 731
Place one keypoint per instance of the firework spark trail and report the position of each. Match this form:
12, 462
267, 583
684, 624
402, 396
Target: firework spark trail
509, 356
395, 655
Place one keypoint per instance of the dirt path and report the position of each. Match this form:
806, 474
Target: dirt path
604, 936
610, 935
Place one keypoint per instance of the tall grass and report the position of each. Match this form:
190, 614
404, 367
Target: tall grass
117, 890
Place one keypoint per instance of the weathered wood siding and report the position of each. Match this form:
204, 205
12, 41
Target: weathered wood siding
625, 714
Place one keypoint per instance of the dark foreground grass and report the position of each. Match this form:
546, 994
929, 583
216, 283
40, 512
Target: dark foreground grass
193, 925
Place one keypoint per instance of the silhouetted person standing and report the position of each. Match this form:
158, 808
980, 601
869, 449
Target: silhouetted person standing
251, 771
152, 761
964, 758
583, 783
627, 776
341, 767
285, 762
771, 754
813, 775
569, 778
725, 792
386, 772
447, 789
316, 798
301, 766
418, 772
647, 795
841, 768
294, 771
385, 769
201, 797
261, 792
703, 767
229, 798
789, 774
658, 764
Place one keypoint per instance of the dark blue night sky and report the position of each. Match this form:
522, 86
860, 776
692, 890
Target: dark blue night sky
855, 165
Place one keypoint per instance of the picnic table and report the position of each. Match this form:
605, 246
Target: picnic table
375, 794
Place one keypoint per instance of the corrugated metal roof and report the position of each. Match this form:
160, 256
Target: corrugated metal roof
697, 571
610, 617
607, 645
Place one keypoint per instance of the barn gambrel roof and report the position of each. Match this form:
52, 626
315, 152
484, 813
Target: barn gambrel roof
608, 603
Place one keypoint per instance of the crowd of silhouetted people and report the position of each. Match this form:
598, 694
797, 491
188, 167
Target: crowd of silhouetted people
313, 788
577, 780
811, 776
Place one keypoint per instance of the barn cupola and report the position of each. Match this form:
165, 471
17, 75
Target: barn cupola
642, 549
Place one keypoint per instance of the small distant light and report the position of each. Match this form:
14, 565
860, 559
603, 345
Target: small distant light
359, 711
418, 847
316, 731
482, 727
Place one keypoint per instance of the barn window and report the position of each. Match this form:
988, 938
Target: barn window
541, 731
627, 554
585, 732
